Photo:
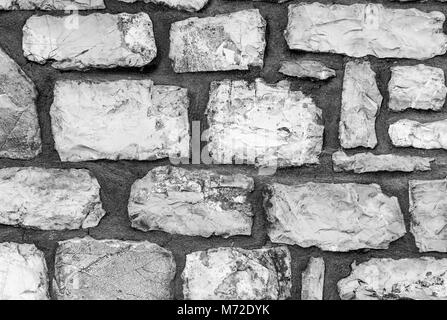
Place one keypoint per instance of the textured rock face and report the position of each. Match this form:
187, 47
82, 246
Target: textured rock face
89, 269
359, 30
49, 199
306, 69
416, 87
313, 280
262, 124
428, 209
187, 5
409, 133
232, 41
123, 119
51, 4
333, 217
361, 100
368, 162
23, 272
388, 279
19, 130
195, 203
92, 41
238, 274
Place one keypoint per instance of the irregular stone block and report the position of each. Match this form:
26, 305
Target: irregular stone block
23, 272
361, 100
89, 269
361, 29
51, 4
120, 119
187, 5
333, 217
194, 203
263, 124
306, 69
410, 133
94, 41
238, 274
387, 279
49, 199
313, 280
234, 41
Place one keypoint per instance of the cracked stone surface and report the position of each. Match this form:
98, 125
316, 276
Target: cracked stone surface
234, 41
238, 274
19, 130
263, 124
416, 87
51, 4
23, 272
361, 100
119, 120
368, 162
187, 5
89, 269
302, 68
49, 199
387, 279
410, 133
361, 29
94, 41
333, 217
194, 203
313, 280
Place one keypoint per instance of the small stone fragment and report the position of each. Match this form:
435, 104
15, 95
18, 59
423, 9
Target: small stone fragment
410, 133
97, 40
306, 69
234, 41
187, 5
67, 5
333, 217
89, 269
313, 280
49, 199
238, 274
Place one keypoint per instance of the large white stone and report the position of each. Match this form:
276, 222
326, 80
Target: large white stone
121, 119
67, 5
313, 280
427, 135
187, 5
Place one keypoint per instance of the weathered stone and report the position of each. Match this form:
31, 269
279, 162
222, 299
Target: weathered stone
361, 29
89, 269
306, 69
238, 274
187, 5
262, 124
49, 199
333, 217
122, 119
410, 133
387, 279
51, 4
313, 280
194, 203
23, 272
234, 41
19, 129
368, 162
361, 100
92, 41
416, 87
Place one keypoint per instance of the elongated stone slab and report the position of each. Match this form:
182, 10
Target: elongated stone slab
361, 29
93, 41
303, 68
51, 5
49, 199
89, 269
313, 280
410, 133
187, 5
263, 124
387, 279
194, 203
23, 272
121, 119
234, 41
238, 274
333, 217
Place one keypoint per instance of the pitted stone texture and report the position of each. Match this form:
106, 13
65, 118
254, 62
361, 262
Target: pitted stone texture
333, 217
416, 87
94, 41
49, 199
19, 129
410, 133
387, 279
122, 119
89, 269
361, 100
303, 68
368, 162
238, 274
428, 209
263, 124
187, 5
51, 4
234, 41
313, 280
359, 30
194, 203
23, 272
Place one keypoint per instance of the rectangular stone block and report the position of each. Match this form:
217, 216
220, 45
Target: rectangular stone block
422, 135
49, 5
313, 280
187, 5
302, 68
